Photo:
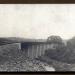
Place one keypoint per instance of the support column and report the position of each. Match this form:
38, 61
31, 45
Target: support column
19, 45
40, 49
43, 51
28, 51
32, 51
44, 48
36, 51
47, 46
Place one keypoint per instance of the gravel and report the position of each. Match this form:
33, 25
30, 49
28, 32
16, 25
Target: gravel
22, 63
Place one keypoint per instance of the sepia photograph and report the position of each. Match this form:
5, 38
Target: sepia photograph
37, 37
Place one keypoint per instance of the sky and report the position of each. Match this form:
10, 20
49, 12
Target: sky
37, 21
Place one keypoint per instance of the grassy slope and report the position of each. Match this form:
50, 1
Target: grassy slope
59, 66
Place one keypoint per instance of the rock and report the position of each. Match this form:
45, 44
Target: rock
47, 68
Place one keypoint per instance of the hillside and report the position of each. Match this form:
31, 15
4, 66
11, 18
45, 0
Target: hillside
21, 63
58, 65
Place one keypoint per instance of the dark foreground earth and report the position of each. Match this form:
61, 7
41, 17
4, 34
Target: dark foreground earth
22, 63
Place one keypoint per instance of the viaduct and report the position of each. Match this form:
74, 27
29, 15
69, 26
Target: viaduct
36, 49
31, 49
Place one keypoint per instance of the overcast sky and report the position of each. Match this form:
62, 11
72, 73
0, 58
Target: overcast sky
37, 20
